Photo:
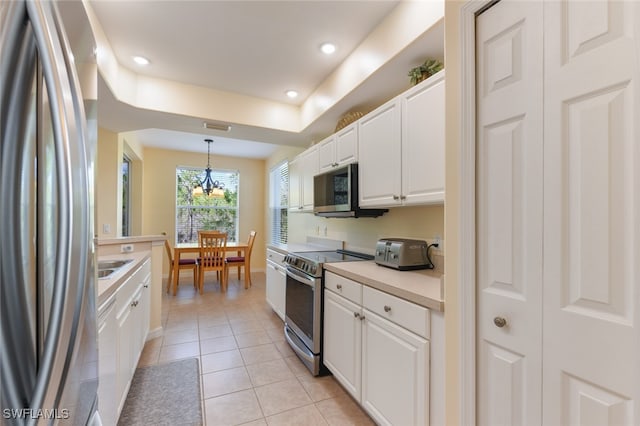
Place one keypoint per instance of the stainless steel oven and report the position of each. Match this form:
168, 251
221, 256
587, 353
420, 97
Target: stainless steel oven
303, 317
304, 303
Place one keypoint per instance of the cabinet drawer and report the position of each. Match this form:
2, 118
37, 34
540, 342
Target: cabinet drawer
345, 287
275, 256
406, 314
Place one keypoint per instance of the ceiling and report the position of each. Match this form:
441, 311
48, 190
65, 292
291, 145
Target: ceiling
257, 49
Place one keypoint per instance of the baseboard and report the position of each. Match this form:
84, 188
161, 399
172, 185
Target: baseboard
155, 333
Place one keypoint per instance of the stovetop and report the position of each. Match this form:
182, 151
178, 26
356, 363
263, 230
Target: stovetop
310, 262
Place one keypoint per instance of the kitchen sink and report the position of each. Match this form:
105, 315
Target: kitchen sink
104, 273
108, 267
112, 264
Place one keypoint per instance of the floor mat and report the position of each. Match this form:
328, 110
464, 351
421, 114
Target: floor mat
164, 394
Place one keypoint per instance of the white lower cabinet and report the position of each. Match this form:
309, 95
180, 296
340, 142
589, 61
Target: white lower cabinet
123, 326
342, 341
395, 378
382, 364
276, 282
107, 362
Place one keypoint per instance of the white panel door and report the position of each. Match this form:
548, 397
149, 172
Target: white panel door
591, 353
509, 213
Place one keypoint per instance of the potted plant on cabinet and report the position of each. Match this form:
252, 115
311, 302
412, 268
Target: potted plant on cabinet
429, 67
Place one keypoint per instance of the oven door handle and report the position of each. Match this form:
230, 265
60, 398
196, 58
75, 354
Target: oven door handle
301, 277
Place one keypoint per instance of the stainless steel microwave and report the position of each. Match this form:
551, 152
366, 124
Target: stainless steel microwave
335, 194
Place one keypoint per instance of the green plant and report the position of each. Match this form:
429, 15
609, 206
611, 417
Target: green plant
427, 69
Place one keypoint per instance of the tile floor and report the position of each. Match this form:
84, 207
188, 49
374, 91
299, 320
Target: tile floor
250, 376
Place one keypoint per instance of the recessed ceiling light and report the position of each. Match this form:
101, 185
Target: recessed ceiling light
141, 60
292, 94
328, 48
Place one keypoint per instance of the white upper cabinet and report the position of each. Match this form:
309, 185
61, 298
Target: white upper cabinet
401, 148
339, 149
302, 169
423, 142
379, 156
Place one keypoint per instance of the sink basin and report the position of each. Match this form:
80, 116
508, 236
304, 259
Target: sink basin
104, 273
112, 264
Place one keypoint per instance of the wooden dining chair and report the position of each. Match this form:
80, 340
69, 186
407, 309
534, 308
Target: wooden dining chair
212, 251
240, 261
184, 264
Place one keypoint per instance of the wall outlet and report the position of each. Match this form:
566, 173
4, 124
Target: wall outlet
106, 228
126, 248
438, 240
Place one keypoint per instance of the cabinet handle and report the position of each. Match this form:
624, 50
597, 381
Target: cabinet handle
362, 317
134, 303
387, 308
403, 197
396, 197
356, 314
146, 286
339, 286
500, 322
299, 207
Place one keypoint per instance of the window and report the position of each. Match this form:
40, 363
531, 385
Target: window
126, 197
279, 202
199, 212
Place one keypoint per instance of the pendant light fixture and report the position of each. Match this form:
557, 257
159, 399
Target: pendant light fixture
208, 186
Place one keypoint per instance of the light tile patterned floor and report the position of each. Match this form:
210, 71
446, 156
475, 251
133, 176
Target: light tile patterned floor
250, 376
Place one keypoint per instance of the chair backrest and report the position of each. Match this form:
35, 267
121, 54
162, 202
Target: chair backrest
167, 247
252, 238
212, 249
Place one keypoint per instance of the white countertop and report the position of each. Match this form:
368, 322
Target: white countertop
108, 286
312, 244
423, 287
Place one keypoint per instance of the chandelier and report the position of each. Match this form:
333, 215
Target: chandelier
208, 186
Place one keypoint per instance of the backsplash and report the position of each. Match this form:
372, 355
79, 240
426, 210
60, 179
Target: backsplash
419, 222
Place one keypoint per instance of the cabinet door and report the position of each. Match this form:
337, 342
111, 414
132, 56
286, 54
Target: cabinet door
123, 375
309, 170
423, 142
107, 364
395, 373
342, 341
275, 292
281, 292
379, 156
295, 182
346, 145
327, 154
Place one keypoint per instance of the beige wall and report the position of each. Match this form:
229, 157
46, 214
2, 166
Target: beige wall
452, 249
361, 234
107, 178
159, 195
111, 148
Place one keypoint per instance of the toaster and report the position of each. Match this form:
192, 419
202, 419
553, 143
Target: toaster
402, 254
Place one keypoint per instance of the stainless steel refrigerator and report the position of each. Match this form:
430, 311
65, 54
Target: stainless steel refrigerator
48, 131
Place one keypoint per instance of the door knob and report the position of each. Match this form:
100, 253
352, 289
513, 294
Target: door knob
499, 322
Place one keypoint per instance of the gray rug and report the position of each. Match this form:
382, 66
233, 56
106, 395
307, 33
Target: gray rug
164, 394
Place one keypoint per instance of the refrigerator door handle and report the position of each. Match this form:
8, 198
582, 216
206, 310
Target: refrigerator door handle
72, 264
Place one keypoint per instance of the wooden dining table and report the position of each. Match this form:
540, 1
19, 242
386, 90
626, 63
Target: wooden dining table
183, 248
